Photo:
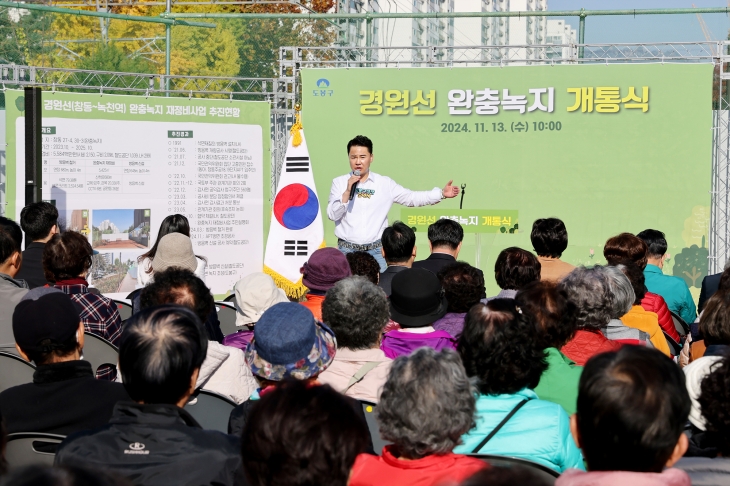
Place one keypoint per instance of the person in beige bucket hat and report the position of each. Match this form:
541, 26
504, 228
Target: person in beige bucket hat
254, 294
175, 250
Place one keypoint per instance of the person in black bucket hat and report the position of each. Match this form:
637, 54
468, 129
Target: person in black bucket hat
416, 301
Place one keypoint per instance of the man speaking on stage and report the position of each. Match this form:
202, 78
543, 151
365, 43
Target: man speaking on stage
359, 201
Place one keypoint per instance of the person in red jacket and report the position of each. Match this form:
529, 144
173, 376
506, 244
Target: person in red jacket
425, 407
626, 246
588, 289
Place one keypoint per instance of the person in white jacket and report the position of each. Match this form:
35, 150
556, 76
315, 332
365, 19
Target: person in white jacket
357, 311
175, 223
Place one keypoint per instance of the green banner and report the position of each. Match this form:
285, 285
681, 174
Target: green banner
472, 220
606, 148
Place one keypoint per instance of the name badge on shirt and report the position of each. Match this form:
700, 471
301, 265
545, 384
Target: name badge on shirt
365, 193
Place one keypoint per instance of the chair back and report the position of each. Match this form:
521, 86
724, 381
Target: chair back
679, 324
125, 309
227, 317
545, 474
230, 298
28, 448
368, 409
98, 351
15, 371
674, 346
133, 294
211, 410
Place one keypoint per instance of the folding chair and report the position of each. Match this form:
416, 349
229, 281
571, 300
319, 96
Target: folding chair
545, 474
227, 318
369, 410
28, 448
15, 371
98, 351
230, 298
679, 324
210, 410
674, 346
125, 309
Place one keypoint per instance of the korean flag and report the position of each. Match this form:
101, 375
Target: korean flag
296, 221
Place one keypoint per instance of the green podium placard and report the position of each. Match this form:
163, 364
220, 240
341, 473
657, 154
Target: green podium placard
472, 220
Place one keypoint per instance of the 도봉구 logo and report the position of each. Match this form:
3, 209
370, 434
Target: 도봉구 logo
323, 88
136, 448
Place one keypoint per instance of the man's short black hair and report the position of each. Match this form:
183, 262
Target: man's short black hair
656, 241
160, 348
445, 233
549, 237
37, 220
360, 141
299, 435
398, 242
10, 238
632, 407
182, 287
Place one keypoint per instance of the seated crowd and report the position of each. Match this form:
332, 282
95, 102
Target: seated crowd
574, 372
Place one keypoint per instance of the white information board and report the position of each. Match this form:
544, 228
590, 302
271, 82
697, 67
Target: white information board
116, 180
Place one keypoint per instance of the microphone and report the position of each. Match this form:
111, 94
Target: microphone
354, 186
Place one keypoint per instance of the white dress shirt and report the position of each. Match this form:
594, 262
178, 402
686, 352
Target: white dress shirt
362, 220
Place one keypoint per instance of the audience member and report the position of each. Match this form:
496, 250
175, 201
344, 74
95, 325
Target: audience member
364, 264
463, 287
154, 441
589, 291
673, 289
399, 251
11, 289
254, 293
66, 262
40, 475
499, 349
444, 241
715, 327
623, 300
506, 476
427, 404
549, 239
637, 317
709, 464
174, 223
287, 343
551, 311
301, 435
627, 247
513, 269
710, 285
321, 272
416, 302
39, 221
64, 397
632, 406
224, 369
357, 311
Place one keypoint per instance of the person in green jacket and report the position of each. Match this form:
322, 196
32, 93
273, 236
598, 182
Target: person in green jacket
548, 307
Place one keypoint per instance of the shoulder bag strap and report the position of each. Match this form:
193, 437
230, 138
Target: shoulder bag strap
499, 426
360, 374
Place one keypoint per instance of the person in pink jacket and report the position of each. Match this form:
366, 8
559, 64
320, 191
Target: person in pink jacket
632, 408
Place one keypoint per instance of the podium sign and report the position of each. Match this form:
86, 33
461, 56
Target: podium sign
472, 220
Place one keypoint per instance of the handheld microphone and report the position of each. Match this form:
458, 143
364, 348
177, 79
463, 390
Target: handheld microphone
354, 186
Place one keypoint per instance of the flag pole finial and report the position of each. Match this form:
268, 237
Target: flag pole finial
296, 129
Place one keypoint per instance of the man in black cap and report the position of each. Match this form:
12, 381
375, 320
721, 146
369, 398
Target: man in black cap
416, 301
64, 396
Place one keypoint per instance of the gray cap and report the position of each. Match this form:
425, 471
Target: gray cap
175, 250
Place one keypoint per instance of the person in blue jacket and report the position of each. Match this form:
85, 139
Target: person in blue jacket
498, 348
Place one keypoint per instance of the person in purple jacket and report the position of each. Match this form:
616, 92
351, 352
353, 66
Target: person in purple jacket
416, 301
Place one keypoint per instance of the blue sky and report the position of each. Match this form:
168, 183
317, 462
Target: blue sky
644, 28
122, 218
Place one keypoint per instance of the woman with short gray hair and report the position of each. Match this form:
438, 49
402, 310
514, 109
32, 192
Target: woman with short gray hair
589, 290
623, 299
426, 405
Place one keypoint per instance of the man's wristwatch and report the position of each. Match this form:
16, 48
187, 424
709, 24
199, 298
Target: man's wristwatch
443, 196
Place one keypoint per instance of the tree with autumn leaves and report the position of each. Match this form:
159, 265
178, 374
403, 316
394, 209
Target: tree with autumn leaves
246, 48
